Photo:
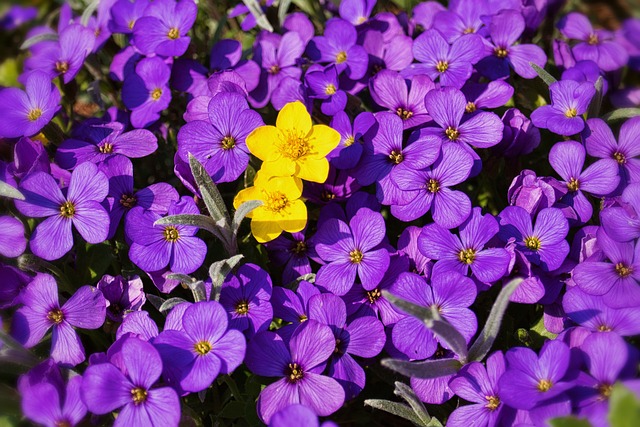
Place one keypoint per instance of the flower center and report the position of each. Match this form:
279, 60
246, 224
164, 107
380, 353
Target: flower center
62, 67
274, 69
571, 113
337, 348
605, 391
452, 133
493, 402
442, 66
139, 395
276, 201
228, 142
295, 146
374, 295
622, 270
56, 316
573, 184
396, 157
500, 52
294, 372
593, 39
202, 347
128, 201
242, 308
173, 33
341, 57
67, 209
604, 328
34, 114
469, 30
620, 158
171, 234
532, 243
62, 423
544, 385
433, 186
303, 318
470, 108
131, 24
156, 94
106, 148
300, 248
327, 196
404, 114
330, 89
467, 256
355, 256
349, 140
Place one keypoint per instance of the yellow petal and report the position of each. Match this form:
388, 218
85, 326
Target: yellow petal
278, 167
296, 217
324, 139
262, 142
314, 170
289, 186
251, 193
265, 230
294, 117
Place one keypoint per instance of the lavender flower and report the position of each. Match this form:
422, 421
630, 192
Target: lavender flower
298, 415
324, 85
533, 193
249, 21
589, 312
227, 55
490, 95
164, 27
42, 311
293, 254
146, 92
12, 240
125, 13
395, 54
356, 11
519, 137
122, 295
292, 306
13, 283
622, 223
569, 100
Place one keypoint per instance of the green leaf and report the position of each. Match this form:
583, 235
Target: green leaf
621, 113
544, 75
283, 7
210, 194
395, 408
86, 15
37, 39
94, 260
242, 211
218, 271
569, 422
155, 301
405, 392
10, 191
170, 303
485, 340
201, 221
9, 72
423, 369
624, 407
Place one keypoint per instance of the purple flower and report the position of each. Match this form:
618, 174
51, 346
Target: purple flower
299, 368
600, 142
324, 85
292, 306
424, 13
29, 156
519, 137
601, 178
569, 100
125, 13
395, 54
543, 244
363, 336
463, 17
340, 185
434, 390
12, 240
26, 112
595, 45
125, 381
451, 64
96, 143
502, 53
219, 142
356, 11
227, 55
204, 347
586, 71
298, 415
467, 251
81, 207
122, 295
408, 246
139, 324
622, 223
589, 312
293, 254
155, 247
146, 92
486, 95
164, 27
450, 293
13, 283
338, 46
403, 97
42, 311
351, 249
533, 193
16, 16
428, 189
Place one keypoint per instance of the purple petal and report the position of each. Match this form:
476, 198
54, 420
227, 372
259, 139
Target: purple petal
337, 277
105, 388
366, 337
567, 159
66, 347
86, 308
275, 397
450, 208
91, 221
311, 344
322, 394
42, 196
267, 355
52, 238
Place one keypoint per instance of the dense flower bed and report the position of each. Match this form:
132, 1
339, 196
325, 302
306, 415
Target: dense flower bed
270, 212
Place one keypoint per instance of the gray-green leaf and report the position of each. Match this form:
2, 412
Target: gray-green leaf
210, 194
37, 39
621, 114
425, 368
10, 191
405, 392
398, 409
170, 303
544, 75
218, 272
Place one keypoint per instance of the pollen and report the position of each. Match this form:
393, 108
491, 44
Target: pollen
56, 316
330, 89
620, 157
404, 113
471, 107
604, 328
341, 57
131, 24
156, 94
571, 113
242, 308
532, 242
327, 196
295, 146
355, 256
294, 372
622, 270
300, 248
374, 295
34, 114
492, 402
349, 141
128, 201
500, 52
303, 318
452, 133
605, 391
202, 347
276, 201
106, 148
171, 234
173, 33
396, 157
573, 184
467, 256
469, 30
442, 66
433, 186
544, 385
337, 348
62, 67
593, 39
139, 395
67, 209
228, 142
274, 69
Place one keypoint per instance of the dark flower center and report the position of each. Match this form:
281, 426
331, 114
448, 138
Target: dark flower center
274, 69
106, 148
300, 248
295, 146
500, 52
173, 33
67, 209
337, 349
355, 256
294, 372
327, 195
62, 66
156, 94
138, 395
202, 347
349, 140
620, 158
330, 89
593, 39
34, 114
62, 423
452, 133
532, 243
492, 402
303, 318
276, 201
469, 30
128, 200
56, 316
605, 391
171, 234
374, 295
341, 57
228, 142
242, 308
622, 270
404, 113
433, 185
396, 157
571, 113
442, 66
544, 385
115, 309
467, 256
604, 328
470, 108
573, 184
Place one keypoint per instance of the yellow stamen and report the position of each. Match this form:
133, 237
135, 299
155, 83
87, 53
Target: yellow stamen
171, 234
532, 243
355, 256
341, 57
330, 89
467, 256
139, 395
34, 114
433, 186
452, 134
202, 347
173, 33
442, 66
56, 316
67, 209
242, 308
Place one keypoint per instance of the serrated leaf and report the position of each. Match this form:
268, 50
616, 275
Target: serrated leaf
398, 409
596, 101
423, 369
218, 272
432, 320
242, 211
408, 395
485, 340
621, 114
170, 303
10, 191
569, 422
624, 407
256, 11
544, 75
210, 194
37, 39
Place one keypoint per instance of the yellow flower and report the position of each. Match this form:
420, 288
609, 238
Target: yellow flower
294, 146
282, 209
